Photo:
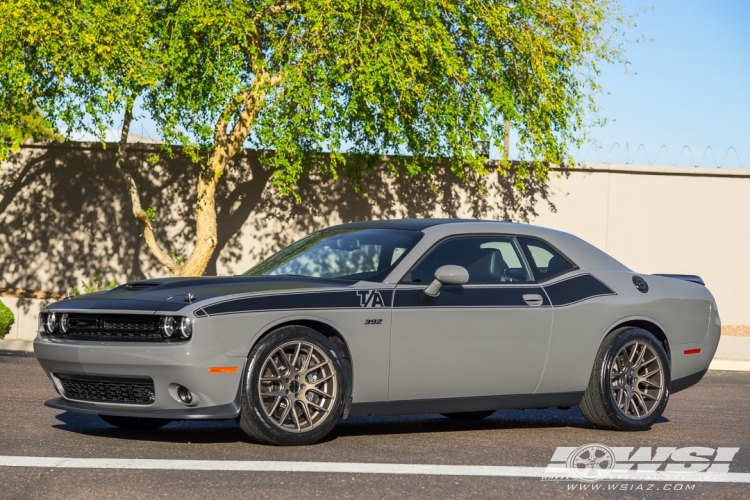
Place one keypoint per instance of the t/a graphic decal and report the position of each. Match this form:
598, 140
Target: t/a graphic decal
370, 298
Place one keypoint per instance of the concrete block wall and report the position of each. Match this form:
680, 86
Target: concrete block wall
64, 216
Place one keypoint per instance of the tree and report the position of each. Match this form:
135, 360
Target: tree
334, 85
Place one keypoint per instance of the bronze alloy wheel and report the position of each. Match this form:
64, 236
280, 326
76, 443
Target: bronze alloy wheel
297, 386
636, 380
629, 385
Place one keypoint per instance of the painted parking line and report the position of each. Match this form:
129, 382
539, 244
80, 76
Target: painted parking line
344, 467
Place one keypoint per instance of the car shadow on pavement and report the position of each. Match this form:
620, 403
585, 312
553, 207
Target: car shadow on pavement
183, 431
227, 431
500, 420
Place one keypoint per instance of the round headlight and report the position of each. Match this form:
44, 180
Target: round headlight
185, 329
167, 326
64, 323
50, 323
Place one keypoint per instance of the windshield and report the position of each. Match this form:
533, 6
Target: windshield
348, 254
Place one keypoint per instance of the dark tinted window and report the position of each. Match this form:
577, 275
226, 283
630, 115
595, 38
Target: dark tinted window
351, 254
489, 259
545, 261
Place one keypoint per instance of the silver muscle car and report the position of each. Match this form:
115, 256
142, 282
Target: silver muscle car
459, 317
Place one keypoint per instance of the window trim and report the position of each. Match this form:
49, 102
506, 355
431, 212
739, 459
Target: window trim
514, 237
532, 264
377, 278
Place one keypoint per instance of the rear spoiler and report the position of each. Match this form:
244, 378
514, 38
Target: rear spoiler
684, 277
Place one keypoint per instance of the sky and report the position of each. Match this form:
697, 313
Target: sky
688, 86
687, 89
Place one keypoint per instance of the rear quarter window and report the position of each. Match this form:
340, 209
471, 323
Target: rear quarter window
545, 261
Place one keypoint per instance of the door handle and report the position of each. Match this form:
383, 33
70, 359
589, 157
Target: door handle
533, 299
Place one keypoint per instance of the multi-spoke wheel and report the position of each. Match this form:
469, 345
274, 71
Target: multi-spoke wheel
629, 385
637, 380
294, 389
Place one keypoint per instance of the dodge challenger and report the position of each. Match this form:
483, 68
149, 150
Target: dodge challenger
414, 316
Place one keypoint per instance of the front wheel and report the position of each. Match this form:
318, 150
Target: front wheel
135, 423
629, 386
294, 387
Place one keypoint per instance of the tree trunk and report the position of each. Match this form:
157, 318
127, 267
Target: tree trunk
226, 145
148, 232
205, 223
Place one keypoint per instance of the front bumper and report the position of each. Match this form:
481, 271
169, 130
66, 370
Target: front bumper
215, 395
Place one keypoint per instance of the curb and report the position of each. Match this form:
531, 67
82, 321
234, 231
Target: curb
17, 345
730, 365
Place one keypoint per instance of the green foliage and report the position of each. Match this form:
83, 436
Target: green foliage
357, 79
32, 125
326, 85
97, 285
6, 320
151, 213
76, 62
179, 259
364, 79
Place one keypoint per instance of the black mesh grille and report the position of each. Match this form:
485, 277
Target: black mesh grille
108, 390
108, 327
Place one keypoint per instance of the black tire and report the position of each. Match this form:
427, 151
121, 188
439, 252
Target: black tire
260, 421
469, 415
599, 404
135, 423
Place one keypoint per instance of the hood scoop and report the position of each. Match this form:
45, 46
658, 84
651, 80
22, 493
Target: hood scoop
140, 286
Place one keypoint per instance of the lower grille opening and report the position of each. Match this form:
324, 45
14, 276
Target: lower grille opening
139, 391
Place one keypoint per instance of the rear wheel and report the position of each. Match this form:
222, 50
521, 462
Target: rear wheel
469, 415
294, 387
629, 386
135, 423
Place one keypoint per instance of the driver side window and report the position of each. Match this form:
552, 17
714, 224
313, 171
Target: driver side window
488, 259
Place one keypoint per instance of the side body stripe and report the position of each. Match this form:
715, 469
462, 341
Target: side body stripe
561, 293
576, 289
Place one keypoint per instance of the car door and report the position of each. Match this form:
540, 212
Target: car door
485, 338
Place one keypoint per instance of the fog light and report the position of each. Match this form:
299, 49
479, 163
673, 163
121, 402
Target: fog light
64, 323
50, 323
185, 395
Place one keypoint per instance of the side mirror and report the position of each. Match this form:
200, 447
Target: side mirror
447, 275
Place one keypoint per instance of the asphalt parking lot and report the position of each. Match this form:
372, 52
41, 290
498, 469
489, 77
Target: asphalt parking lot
715, 413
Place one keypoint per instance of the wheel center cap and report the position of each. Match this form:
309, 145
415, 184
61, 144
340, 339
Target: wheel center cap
294, 386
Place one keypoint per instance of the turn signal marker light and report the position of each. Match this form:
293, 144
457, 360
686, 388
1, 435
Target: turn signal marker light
222, 369
692, 351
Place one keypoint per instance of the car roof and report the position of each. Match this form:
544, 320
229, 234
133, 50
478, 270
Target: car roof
405, 224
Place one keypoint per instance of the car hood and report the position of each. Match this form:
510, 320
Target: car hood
171, 294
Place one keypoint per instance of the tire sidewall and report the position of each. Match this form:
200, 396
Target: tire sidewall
620, 339
253, 418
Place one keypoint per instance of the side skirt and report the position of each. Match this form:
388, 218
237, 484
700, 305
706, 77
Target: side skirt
452, 405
